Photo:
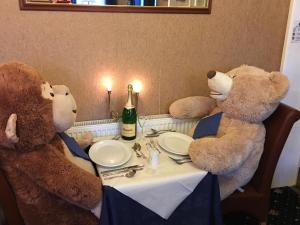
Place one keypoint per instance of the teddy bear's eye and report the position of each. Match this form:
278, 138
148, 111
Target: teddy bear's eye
67, 93
51, 86
233, 76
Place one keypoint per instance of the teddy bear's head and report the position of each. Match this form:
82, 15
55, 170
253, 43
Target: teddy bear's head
31, 110
247, 93
64, 108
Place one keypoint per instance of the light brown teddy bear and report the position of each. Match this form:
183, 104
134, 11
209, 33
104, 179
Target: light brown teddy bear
49, 189
247, 96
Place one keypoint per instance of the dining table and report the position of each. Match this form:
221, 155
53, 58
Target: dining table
169, 190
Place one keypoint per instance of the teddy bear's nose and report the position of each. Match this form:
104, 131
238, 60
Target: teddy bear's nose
211, 74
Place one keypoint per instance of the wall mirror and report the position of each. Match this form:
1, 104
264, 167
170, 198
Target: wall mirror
134, 6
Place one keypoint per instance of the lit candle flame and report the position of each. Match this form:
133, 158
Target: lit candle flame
107, 82
137, 86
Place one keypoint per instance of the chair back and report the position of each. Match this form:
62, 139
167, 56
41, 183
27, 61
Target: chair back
8, 203
278, 127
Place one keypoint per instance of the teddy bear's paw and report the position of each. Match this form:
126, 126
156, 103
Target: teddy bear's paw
192, 107
85, 140
87, 137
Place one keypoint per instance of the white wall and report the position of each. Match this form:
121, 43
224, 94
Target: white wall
287, 168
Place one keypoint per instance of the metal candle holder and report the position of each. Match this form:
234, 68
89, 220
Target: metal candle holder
113, 115
136, 100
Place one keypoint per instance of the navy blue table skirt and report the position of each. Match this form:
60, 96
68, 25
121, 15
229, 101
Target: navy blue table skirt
201, 207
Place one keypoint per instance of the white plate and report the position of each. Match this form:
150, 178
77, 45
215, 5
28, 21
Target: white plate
175, 143
110, 153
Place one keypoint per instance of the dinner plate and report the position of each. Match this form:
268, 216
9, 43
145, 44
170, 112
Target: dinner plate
110, 153
175, 143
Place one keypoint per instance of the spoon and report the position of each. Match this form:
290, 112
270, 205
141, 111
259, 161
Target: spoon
135, 148
128, 174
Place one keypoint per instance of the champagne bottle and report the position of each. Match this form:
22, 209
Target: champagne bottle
129, 118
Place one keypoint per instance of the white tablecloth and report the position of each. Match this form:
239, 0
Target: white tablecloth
161, 189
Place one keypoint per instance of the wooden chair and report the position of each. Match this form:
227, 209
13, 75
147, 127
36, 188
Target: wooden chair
255, 199
8, 204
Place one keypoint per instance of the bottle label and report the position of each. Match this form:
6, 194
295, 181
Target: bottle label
128, 130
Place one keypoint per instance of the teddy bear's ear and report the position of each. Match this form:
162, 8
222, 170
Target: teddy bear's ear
11, 129
280, 86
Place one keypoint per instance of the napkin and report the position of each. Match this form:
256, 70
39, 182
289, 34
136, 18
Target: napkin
208, 126
74, 146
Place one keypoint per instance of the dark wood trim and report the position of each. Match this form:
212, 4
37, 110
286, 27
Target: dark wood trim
118, 9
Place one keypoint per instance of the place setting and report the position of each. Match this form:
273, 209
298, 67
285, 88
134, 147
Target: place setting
175, 145
112, 155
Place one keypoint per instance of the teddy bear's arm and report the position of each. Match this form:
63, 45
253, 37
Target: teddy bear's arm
53, 172
192, 107
221, 155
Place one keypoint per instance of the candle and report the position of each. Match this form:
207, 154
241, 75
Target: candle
107, 83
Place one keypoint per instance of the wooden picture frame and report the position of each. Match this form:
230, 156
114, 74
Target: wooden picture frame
44, 6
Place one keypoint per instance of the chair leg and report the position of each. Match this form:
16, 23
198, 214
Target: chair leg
2, 217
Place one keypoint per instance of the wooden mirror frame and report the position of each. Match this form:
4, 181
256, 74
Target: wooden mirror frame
119, 9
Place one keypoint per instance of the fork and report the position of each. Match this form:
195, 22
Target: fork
153, 145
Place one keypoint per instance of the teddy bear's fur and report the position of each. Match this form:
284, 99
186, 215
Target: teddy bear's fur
49, 189
246, 95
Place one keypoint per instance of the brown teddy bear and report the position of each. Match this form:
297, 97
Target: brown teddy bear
49, 189
246, 95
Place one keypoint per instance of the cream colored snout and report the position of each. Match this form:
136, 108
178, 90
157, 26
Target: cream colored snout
64, 108
220, 85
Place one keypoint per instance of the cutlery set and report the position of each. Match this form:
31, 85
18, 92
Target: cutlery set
128, 171
128, 174
179, 160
